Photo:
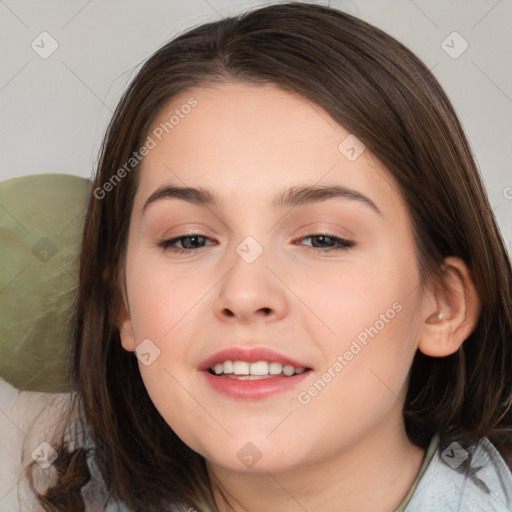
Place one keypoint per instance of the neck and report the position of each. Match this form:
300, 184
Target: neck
372, 475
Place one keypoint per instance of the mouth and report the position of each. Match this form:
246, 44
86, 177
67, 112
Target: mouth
252, 374
244, 370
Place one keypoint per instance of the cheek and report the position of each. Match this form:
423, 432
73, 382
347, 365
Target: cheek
162, 300
370, 327
356, 299
173, 395
166, 308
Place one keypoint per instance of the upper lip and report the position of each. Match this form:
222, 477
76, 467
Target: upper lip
250, 355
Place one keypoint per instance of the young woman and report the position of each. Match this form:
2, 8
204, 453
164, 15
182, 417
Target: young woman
293, 294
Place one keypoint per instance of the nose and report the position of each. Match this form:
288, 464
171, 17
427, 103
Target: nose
251, 292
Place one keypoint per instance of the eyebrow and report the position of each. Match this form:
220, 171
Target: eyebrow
291, 197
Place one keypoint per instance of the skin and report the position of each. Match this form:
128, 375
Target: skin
346, 450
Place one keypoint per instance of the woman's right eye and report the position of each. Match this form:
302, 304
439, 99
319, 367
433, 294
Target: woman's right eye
188, 242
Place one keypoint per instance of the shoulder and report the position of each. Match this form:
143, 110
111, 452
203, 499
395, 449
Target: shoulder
27, 420
31, 426
473, 480
30, 429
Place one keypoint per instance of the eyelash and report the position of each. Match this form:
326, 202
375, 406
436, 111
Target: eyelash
343, 244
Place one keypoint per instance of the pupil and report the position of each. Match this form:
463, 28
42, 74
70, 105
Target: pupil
323, 238
192, 239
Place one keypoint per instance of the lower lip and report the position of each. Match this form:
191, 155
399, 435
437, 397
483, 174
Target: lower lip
253, 389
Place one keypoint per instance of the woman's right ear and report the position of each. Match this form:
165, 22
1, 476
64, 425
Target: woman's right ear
124, 324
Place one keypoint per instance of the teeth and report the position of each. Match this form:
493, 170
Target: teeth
275, 368
257, 369
240, 368
227, 367
246, 377
288, 370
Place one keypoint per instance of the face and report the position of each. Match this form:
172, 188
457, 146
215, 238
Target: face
327, 286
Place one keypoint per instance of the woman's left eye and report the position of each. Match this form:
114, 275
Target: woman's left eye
196, 241
340, 244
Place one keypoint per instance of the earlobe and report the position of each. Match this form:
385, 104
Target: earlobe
124, 324
452, 313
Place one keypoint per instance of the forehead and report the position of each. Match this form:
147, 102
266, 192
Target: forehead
248, 141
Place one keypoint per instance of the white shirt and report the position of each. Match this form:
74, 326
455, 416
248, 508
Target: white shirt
27, 422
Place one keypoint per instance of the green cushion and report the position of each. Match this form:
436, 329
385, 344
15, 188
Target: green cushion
41, 219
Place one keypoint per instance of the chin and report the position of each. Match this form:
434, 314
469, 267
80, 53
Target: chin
254, 457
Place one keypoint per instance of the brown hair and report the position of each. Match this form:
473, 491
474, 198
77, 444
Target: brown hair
379, 91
